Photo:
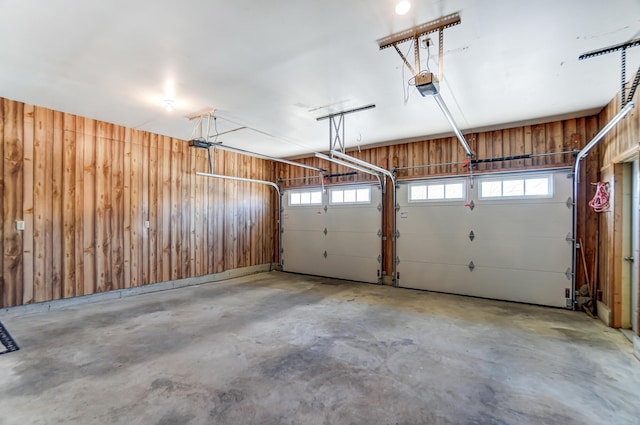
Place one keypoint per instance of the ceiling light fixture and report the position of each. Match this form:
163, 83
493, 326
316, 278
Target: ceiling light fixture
403, 7
168, 105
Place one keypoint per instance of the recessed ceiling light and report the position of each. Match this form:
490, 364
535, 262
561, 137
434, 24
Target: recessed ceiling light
403, 7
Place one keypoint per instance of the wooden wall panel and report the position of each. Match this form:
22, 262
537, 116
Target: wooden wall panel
68, 207
166, 207
84, 190
55, 152
89, 207
117, 209
4, 119
27, 204
621, 144
12, 267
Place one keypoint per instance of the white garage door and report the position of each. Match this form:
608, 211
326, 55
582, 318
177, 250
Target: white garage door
500, 236
333, 234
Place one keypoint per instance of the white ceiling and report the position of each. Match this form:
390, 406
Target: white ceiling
277, 65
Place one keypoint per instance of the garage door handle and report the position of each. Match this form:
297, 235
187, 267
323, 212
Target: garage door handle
629, 258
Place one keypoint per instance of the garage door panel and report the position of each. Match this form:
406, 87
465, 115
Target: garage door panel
528, 286
518, 285
433, 218
348, 249
519, 250
303, 218
361, 269
304, 261
432, 250
365, 223
303, 240
436, 277
536, 254
352, 243
544, 218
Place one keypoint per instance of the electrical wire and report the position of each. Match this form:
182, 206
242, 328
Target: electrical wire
405, 86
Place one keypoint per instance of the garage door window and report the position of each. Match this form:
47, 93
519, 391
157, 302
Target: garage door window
306, 197
539, 186
450, 191
358, 195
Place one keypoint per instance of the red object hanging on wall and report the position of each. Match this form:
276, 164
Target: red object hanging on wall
600, 201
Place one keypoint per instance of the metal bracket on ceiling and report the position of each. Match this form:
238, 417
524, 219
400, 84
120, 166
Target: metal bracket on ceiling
336, 127
622, 48
426, 82
415, 33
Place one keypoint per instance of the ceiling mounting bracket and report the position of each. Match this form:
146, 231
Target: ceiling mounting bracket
336, 127
414, 34
425, 81
622, 48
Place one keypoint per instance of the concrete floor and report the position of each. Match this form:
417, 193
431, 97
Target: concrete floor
278, 348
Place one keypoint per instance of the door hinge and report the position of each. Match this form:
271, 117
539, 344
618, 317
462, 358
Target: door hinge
569, 203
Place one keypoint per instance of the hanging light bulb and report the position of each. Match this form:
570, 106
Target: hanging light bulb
403, 7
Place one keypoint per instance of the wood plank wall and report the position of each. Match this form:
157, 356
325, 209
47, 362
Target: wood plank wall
621, 144
444, 155
85, 188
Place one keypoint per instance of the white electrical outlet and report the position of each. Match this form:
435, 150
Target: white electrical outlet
19, 225
147, 224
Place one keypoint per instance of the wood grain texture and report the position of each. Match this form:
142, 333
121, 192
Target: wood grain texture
12, 158
55, 151
84, 189
27, 205
3, 122
68, 207
621, 144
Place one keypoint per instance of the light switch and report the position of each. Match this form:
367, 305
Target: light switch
19, 225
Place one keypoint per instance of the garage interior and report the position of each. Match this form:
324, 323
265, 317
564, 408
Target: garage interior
319, 212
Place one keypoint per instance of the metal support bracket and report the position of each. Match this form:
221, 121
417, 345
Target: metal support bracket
569, 203
568, 273
336, 127
622, 48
